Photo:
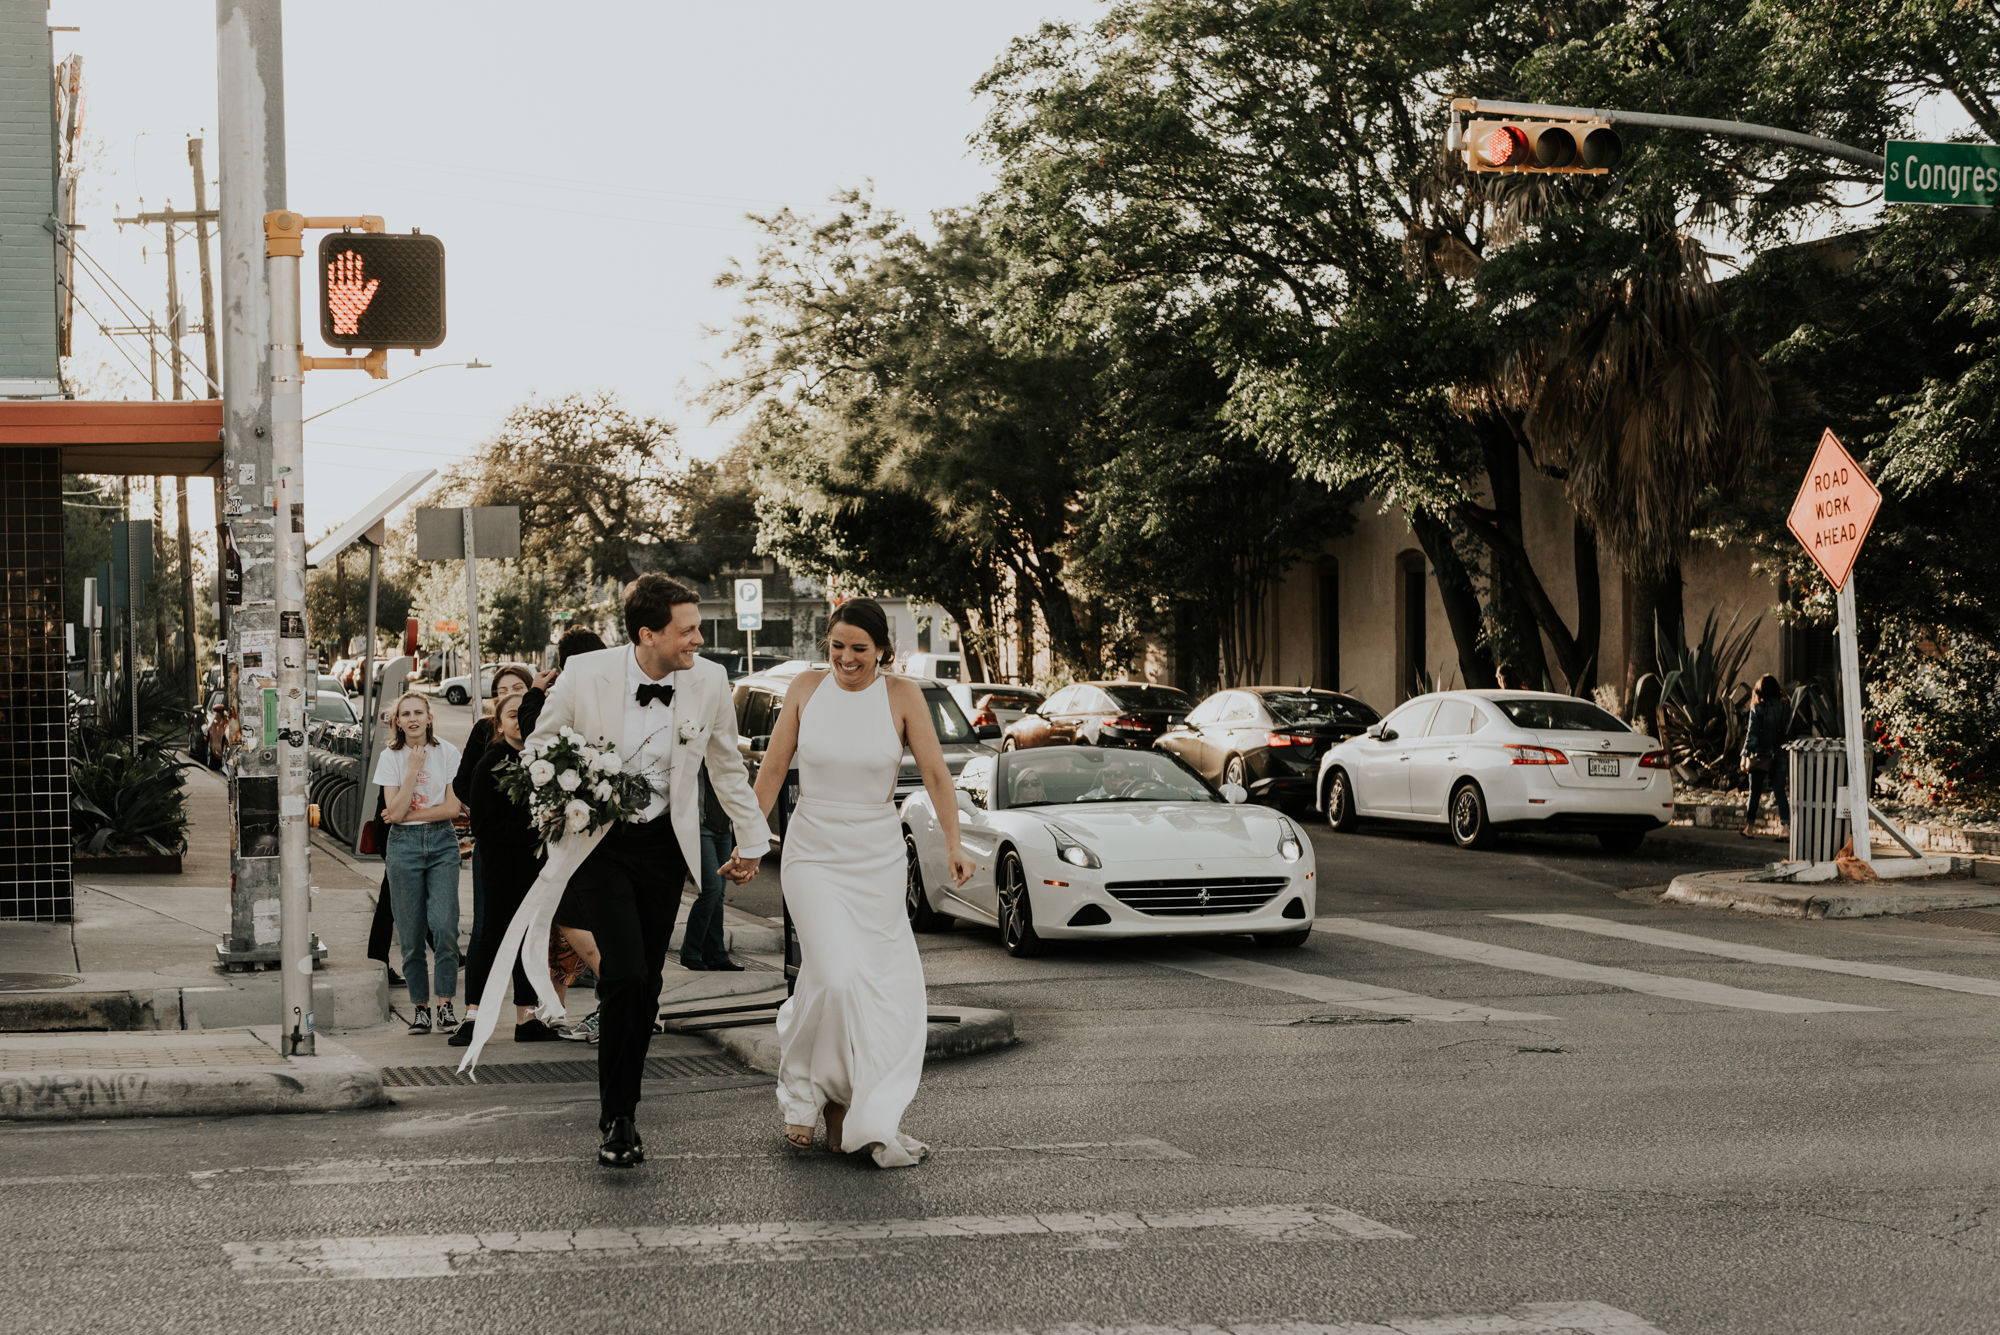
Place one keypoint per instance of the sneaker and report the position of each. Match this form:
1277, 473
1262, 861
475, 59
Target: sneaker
534, 1031
420, 1022
445, 1018
583, 1031
461, 1037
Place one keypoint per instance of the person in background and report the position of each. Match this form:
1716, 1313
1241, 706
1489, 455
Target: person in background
415, 773
573, 642
1510, 678
508, 681
704, 948
1763, 753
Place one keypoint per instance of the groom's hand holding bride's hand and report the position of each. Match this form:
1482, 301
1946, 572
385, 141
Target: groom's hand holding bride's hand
739, 868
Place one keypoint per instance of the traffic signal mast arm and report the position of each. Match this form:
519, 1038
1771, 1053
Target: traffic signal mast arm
284, 234
1733, 129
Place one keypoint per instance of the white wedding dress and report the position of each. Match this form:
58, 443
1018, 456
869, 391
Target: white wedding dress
853, 1031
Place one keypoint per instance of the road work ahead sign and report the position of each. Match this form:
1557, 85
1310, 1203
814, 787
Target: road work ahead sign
1834, 509
1918, 173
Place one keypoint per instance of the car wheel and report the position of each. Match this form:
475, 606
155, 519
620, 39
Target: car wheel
1469, 826
923, 918
1017, 911
1340, 803
456, 696
1009, 744
1622, 842
1234, 771
1281, 940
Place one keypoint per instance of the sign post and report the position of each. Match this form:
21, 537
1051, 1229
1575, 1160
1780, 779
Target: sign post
1831, 517
749, 618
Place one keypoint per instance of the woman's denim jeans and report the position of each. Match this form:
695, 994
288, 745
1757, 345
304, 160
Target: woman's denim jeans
423, 889
704, 942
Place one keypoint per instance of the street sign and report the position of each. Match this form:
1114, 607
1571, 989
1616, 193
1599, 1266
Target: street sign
445, 626
496, 532
1835, 506
381, 290
1920, 173
749, 604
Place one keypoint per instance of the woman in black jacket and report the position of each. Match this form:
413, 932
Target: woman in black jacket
1764, 758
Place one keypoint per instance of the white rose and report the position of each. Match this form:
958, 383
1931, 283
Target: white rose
567, 732
576, 815
606, 763
569, 779
589, 756
603, 791
541, 772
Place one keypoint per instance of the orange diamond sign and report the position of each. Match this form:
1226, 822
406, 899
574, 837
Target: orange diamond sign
1834, 509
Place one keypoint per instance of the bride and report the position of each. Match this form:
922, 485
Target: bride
851, 1038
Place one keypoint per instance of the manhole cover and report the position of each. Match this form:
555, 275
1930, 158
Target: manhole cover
1354, 1019
35, 982
558, 1073
1971, 919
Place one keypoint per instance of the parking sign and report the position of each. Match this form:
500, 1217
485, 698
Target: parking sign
749, 604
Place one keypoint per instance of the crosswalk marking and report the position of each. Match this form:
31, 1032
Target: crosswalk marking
1552, 966
453, 1254
1950, 982
1336, 991
1527, 1319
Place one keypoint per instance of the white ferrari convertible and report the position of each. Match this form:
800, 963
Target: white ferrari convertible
1083, 841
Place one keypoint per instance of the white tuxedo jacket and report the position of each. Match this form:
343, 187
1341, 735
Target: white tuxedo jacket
589, 697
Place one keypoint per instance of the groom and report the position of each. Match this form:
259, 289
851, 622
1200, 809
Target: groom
667, 710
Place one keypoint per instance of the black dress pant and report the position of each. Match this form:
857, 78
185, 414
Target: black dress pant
629, 889
505, 891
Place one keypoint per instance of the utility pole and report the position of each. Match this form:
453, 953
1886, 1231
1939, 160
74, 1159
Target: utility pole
270, 877
201, 217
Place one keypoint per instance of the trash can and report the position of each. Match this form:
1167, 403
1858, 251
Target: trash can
1819, 771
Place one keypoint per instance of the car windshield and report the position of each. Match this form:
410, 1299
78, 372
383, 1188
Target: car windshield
1007, 699
1296, 710
946, 717
1061, 776
1559, 716
329, 707
1149, 697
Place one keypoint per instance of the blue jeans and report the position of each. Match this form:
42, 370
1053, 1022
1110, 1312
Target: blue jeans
423, 890
703, 943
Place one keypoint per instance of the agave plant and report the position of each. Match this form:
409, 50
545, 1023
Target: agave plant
123, 798
1701, 709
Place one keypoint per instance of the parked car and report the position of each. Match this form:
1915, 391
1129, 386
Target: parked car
458, 690
206, 733
760, 699
350, 678
733, 662
989, 703
1100, 713
1480, 762
1080, 841
1266, 739
939, 667
331, 705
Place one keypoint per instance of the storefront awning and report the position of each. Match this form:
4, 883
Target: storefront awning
134, 438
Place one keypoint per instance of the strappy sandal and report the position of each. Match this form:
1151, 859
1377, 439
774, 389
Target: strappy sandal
799, 1137
836, 1118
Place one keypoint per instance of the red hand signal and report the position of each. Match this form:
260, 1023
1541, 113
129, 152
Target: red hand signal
346, 294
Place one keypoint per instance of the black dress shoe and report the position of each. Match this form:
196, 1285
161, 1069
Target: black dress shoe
726, 966
622, 1147
696, 965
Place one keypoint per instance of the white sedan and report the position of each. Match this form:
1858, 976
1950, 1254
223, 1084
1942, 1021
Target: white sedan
458, 690
1074, 842
1479, 762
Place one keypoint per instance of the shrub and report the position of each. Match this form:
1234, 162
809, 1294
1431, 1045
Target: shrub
125, 799
1936, 713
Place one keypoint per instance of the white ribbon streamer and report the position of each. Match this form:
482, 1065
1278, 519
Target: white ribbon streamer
528, 930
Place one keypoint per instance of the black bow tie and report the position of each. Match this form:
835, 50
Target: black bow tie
651, 692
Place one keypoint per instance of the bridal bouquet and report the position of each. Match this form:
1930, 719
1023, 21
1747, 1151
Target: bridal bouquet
572, 786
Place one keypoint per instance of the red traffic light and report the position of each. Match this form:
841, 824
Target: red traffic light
1568, 147
381, 290
1508, 146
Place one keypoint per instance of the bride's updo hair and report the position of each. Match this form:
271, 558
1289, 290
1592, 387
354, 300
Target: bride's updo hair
865, 615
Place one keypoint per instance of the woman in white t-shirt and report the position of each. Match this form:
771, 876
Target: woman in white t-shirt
418, 805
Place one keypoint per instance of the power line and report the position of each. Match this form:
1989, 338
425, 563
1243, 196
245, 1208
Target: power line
593, 187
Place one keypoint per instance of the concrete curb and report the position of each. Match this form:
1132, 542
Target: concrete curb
1824, 899
342, 999
756, 1046
335, 1080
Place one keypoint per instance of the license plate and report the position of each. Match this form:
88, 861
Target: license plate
1603, 767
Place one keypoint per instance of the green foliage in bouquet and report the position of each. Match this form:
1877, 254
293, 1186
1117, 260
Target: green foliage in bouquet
573, 787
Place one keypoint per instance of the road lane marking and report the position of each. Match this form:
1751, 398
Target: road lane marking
1551, 966
451, 1254
1949, 982
1527, 1319
1335, 991
358, 1172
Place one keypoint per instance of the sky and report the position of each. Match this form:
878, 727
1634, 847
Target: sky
588, 167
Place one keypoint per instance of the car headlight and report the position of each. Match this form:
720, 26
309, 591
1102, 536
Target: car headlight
1070, 851
1290, 845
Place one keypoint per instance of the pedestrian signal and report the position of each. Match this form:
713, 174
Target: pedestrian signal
1589, 148
381, 290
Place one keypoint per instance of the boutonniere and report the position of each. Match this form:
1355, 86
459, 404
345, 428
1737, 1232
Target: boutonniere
690, 729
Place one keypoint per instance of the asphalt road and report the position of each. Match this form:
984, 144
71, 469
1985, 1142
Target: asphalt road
1607, 1134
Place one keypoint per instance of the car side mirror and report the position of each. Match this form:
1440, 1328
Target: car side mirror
1382, 734
986, 732
760, 743
1235, 794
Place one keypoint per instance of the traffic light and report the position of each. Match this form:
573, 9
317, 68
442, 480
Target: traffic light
1578, 147
381, 290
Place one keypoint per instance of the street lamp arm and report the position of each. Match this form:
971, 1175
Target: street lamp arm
1732, 129
474, 364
